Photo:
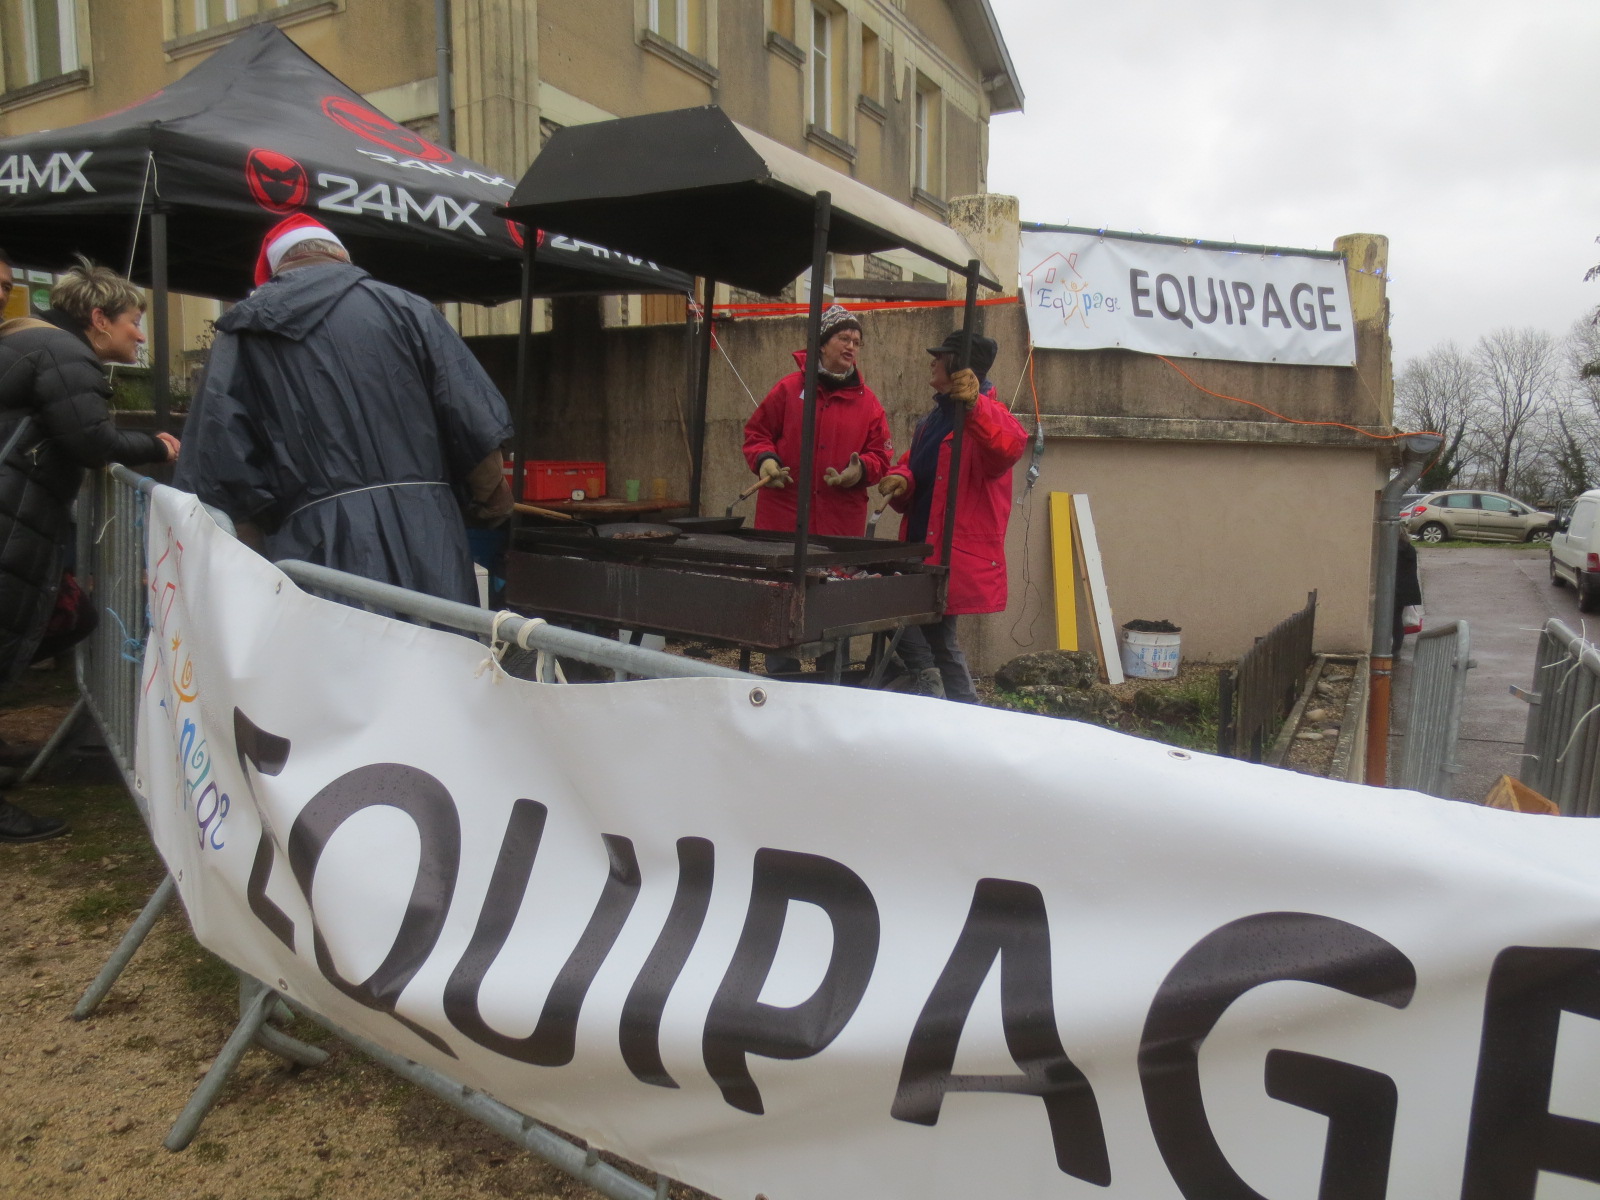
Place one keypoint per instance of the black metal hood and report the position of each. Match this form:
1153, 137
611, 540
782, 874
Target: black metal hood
695, 189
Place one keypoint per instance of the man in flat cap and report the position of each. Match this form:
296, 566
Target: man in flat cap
917, 487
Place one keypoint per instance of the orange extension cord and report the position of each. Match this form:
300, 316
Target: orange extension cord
1377, 437
785, 310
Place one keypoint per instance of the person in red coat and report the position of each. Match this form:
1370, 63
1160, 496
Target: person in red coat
916, 487
852, 437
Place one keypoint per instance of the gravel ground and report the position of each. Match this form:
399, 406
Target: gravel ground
1314, 756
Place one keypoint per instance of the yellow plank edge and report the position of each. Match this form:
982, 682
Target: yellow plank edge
1061, 562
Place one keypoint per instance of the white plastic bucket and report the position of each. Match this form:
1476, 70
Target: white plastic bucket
1150, 655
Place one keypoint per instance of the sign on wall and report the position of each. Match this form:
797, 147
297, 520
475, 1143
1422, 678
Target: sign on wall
1086, 290
821, 942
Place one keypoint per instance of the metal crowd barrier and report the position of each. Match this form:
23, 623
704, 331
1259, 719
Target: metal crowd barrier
111, 529
1433, 727
1561, 750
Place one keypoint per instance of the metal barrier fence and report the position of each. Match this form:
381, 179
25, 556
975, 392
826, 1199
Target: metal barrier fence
111, 560
111, 553
1257, 694
1433, 726
1561, 750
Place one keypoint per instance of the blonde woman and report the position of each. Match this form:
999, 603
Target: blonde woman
53, 424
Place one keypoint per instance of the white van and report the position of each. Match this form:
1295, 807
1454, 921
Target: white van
1575, 550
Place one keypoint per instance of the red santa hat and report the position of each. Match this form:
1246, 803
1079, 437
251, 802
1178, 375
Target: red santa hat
287, 233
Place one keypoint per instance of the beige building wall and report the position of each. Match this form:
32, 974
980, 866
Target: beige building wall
1222, 540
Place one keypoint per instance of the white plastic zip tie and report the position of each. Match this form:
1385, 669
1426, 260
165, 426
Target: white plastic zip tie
498, 646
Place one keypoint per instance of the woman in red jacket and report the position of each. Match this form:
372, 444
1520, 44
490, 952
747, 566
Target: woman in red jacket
916, 487
852, 437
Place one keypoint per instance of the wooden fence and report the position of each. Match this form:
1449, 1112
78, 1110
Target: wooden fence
1256, 695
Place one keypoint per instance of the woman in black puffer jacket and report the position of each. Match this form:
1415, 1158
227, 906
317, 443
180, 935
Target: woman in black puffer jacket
51, 379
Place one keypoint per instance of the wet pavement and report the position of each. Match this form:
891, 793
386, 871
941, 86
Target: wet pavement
1504, 594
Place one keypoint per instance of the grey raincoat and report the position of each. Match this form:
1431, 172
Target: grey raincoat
342, 416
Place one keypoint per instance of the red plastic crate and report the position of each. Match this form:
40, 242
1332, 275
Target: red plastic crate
547, 480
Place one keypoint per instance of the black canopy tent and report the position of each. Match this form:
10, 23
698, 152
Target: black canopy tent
258, 131
695, 189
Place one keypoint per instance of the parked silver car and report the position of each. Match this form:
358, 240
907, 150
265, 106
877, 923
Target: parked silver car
1476, 516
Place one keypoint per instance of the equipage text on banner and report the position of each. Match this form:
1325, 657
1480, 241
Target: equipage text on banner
1089, 291
1041, 960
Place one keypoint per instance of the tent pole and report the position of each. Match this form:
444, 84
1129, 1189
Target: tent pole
441, 54
689, 377
160, 334
702, 381
524, 413
808, 402
968, 319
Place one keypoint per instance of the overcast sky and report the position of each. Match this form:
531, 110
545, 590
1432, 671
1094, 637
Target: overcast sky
1465, 131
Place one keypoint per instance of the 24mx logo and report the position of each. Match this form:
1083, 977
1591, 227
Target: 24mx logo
277, 181
60, 173
394, 203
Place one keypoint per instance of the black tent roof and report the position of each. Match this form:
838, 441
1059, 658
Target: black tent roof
696, 189
258, 131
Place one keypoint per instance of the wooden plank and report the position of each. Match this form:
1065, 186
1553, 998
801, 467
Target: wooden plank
1099, 600
1065, 578
1082, 569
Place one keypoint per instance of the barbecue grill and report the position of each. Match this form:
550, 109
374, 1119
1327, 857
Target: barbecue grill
694, 190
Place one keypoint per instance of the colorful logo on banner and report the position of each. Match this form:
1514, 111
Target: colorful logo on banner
171, 681
1059, 285
278, 182
375, 127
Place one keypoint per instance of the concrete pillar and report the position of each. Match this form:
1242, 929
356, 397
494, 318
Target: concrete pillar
989, 223
495, 59
1366, 257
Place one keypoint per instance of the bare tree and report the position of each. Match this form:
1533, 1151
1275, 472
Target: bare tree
1590, 367
1439, 393
1583, 363
1522, 376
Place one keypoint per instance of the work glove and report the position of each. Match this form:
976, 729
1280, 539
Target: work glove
847, 478
891, 486
964, 387
773, 474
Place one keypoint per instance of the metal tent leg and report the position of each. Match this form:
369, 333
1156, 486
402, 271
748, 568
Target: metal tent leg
54, 744
882, 652
584, 1164
284, 1046
126, 948
257, 1005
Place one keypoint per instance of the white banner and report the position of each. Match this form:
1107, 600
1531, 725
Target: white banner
820, 942
1089, 291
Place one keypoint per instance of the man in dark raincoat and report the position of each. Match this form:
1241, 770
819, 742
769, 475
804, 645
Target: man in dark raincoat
346, 422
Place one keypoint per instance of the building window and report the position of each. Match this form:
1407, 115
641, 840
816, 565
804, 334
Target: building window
46, 44
681, 22
208, 14
871, 66
828, 74
821, 69
781, 17
927, 140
